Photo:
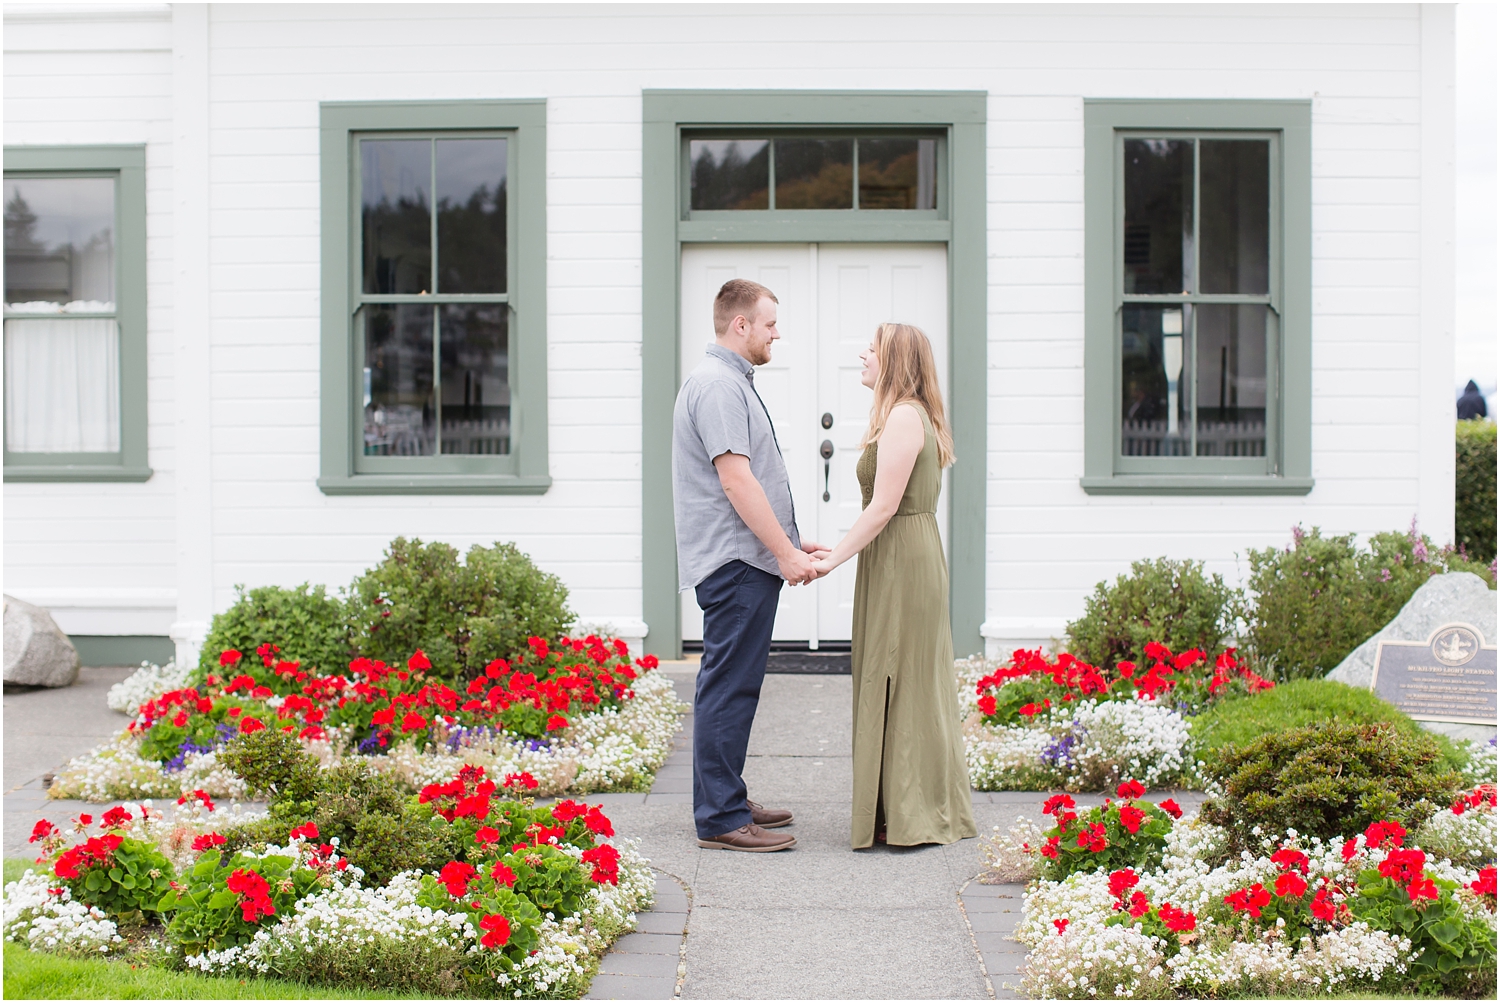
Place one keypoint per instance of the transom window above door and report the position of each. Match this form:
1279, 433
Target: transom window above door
749, 172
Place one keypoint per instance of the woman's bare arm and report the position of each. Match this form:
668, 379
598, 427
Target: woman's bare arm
900, 443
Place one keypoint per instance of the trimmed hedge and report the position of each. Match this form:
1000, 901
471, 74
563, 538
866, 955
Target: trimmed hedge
1474, 481
307, 623
1166, 601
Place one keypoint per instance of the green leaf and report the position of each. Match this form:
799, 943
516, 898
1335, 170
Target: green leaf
96, 881
128, 881
223, 899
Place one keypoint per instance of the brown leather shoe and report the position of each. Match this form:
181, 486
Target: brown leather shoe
751, 839
769, 818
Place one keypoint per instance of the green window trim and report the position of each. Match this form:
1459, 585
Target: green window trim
667, 224
1289, 445
128, 165
525, 469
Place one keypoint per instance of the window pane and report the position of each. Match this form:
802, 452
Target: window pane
59, 242
1231, 379
1153, 396
1158, 252
476, 379
399, 418
395, 187
896, 174
730, 173
815, 174
62, 385
1234, 186
471, 215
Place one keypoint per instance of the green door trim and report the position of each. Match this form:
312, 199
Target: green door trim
664, 229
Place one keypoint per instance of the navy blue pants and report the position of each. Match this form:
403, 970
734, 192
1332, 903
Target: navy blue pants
739, 611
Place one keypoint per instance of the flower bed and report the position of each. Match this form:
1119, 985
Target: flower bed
516, 899
1036, 724
576, 714
1127, 900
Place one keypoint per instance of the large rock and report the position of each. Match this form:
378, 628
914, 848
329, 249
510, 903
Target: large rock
37, 652
1451, 598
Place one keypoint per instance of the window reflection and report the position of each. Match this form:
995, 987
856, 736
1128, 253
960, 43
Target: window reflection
471, 176
814, 173
729, 173
395, 183
475, 379
59, 242
1154, 404
898, 174
399, 411
1234, 229
1158, 251
1231, 385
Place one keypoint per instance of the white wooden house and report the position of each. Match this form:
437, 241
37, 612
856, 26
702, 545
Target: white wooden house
1189, 270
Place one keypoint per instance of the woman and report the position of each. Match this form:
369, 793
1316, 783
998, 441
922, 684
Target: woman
911, 784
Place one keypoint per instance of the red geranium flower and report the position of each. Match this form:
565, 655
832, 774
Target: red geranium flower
1289, 859
987, 705
1131, 818
1093, 837
115, 817
1055, 802
1485, 885
307, 831
1384, 834
1403, 866
1170, 807
1250, 900
1130, 789
418, 661
503, 875
1050, 849
1422, 888
207, 841
566, 811
496, 931
1291, 884
1122, 881
413, 722
1323, 906
41, 830
487, 835
1139, 906
556, 721
1061, 924
598, 823
230, 657
1177, 920
455, 876
606, 861
250, 724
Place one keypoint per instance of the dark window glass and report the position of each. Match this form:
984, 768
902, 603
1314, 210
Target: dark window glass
1153, 394
730, 173
897, 174
1231, 351
815, 174
475, 378
1234, 190
471, 215
1158, 251
395, 183
400, 413
59, 241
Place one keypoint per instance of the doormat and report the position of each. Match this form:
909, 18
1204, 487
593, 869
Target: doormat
813, 663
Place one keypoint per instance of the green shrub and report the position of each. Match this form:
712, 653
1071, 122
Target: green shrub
305, 622
462, 615
1474, 483
1169, 602
1298, 704
378, 829
1328, 780
1322, 597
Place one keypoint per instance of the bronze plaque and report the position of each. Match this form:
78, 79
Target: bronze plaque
1448, 677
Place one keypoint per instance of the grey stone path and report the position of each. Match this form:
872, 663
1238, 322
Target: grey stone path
819, 921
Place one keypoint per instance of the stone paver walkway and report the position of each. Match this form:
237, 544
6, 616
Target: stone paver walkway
819, 921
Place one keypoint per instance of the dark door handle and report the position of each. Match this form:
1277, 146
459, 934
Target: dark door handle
826, 451
827, 420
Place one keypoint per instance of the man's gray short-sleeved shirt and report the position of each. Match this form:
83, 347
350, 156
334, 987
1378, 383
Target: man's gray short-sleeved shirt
718, 412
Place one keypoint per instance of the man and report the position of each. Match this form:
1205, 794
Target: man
736, 541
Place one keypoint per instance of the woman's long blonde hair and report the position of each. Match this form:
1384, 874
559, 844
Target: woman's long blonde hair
908, 374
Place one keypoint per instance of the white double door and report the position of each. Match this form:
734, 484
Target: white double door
832, 297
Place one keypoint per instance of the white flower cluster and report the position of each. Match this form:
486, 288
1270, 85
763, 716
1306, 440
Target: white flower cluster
1482, 766
1116, 962
112, 771
1354, 954
1467, 840
48, 921
1011, 858
1217, 962
145, 684
1086, 745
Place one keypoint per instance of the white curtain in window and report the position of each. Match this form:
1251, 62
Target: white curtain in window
62, 385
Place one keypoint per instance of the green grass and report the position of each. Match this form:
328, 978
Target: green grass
17, 866
37, 975
1296, 704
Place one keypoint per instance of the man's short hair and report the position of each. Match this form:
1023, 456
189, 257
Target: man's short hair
738, 297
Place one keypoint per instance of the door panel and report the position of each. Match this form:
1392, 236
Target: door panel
832, 296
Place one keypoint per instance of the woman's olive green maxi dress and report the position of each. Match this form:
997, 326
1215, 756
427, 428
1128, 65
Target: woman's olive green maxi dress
908, 747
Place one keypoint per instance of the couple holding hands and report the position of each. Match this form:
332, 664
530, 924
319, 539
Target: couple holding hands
737, 542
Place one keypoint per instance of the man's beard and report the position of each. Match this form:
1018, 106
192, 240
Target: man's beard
761, 354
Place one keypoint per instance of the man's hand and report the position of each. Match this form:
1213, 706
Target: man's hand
796, 567
813, 549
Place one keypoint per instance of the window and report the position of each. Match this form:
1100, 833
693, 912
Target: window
1194, 320
744, 172
440, 298
74, 314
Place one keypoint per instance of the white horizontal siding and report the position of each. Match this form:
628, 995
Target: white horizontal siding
1047, 541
